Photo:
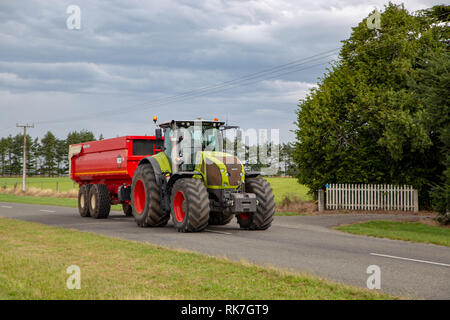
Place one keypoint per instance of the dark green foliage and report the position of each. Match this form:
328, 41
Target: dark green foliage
366, 122
45, 157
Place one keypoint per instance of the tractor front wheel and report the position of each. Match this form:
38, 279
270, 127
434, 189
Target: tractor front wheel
263, 217
189, 205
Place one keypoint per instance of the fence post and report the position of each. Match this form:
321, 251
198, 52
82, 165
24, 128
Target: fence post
416, 201
56, 186
320, 198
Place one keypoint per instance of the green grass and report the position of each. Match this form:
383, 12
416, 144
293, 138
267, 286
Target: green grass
288, 186
63, 183
280, 186
408, 231
50, 201
34, 259
290, 214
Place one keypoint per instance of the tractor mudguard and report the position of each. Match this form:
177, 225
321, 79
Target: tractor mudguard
183, 174
252, 174
161, 168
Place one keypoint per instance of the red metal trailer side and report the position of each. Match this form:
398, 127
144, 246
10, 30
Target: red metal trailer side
111, 161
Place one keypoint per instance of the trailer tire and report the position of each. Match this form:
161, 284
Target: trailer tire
219, 218
83, 199
99, 201
189, 205
127, 209
146, 198
265, 209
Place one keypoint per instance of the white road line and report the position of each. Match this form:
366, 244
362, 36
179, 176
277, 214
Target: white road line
7, 207
214, 231
409, 259
51, 211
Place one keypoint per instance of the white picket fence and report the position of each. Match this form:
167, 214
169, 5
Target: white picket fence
371, 197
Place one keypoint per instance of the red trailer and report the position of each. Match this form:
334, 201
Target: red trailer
104, 171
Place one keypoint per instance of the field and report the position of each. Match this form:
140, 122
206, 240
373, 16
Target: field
55, 184
408, 231
281, 186
34, 259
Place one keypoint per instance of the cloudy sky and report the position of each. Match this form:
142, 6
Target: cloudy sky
134, 59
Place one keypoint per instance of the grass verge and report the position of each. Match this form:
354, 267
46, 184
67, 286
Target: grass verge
50, 201
290, 214
399, 230
34, 259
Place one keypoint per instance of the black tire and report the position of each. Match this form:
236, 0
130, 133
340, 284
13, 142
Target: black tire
127, 209
194, 205
83, 199
149, 205
219, 218
99, 201
263, 217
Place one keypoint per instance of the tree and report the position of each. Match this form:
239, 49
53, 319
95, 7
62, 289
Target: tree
49, 154
362, 124
35, 157
79, 137
431, 83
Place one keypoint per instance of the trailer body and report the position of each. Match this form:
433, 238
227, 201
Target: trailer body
111, 162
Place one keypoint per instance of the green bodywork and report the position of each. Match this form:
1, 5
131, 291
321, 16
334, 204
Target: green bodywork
163, 161
202, 156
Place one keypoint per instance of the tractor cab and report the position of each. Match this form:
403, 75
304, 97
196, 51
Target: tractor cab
185, 138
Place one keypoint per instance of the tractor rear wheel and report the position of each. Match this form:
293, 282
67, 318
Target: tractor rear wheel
83, 199
99, 201
263, 217
146, 198
127, 209
189, 205
219, 218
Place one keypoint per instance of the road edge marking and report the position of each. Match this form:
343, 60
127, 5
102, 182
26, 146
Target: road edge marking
215, 231
410, 259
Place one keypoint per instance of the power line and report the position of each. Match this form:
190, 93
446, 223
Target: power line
205, 89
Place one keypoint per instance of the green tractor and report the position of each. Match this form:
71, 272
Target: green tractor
197, 184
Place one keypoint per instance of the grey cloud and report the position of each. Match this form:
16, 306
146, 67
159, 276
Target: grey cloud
132, 52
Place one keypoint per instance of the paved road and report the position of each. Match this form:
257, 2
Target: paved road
295, 243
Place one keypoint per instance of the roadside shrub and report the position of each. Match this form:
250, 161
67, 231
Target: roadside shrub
440, 200
293, 203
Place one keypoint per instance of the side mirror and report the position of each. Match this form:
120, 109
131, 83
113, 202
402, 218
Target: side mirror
158, 134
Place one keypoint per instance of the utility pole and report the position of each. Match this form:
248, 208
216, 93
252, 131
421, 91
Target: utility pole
24, 174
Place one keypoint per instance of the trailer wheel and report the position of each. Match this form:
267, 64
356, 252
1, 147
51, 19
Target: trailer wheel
146, 198
263, 217
219, 218
189, 205
83, 196
99, 201
127, 209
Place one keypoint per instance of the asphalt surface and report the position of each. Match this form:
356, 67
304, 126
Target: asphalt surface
296, 243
